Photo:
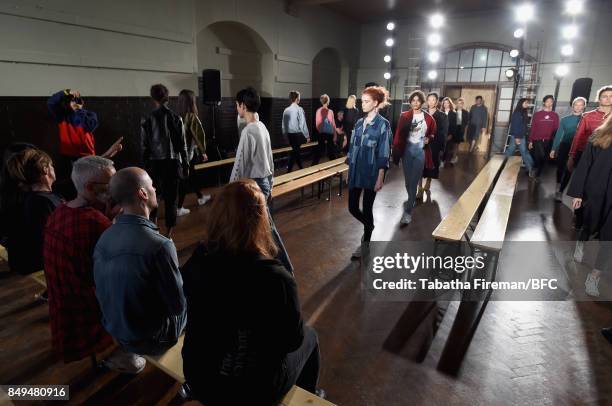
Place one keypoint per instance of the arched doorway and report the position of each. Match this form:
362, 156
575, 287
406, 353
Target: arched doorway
327, 75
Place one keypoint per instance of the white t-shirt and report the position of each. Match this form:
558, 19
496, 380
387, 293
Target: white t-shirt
418, 129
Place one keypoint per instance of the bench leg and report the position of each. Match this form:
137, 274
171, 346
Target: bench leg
340, 185
331, 179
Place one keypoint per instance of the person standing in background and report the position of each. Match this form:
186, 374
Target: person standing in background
165, 153
563, 143
544, 125
436, 146
340, 136
326, 127
448, 108
196, 148
463, 117
478, 122
351, 115
76, 126
518, 131
295, 129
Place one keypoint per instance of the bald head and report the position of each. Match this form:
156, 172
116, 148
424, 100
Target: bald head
126, 184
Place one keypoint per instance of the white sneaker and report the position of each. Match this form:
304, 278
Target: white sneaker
441, 164
202, 200
181, 211
406, 219
579, 251
591, 285
125, 362
454, 160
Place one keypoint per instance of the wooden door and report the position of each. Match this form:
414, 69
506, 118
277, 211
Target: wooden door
489, 97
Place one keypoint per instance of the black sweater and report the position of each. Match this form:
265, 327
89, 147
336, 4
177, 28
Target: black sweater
243, 318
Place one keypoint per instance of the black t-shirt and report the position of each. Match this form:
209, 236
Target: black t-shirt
25, 246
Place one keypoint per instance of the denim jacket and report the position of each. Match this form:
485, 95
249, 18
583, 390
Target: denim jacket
369, 151
138, 282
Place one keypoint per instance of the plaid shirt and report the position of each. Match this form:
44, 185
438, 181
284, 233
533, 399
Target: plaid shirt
70, 237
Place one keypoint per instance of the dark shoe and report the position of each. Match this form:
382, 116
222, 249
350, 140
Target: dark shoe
42, 297
185, 392
607, 333
321, 393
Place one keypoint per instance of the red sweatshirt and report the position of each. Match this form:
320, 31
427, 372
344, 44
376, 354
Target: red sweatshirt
544, 125
588, 123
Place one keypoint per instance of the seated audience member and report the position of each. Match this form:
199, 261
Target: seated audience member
69, 240
245, 340
138, 284
32, 170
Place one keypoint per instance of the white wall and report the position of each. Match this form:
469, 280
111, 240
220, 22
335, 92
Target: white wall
593, 49
119, 48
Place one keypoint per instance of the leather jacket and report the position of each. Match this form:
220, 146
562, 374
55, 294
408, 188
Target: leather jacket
163, 136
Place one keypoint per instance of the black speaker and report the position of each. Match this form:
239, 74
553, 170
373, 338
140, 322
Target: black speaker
210, 86
582, 88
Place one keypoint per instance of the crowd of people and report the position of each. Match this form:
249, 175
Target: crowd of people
114, 279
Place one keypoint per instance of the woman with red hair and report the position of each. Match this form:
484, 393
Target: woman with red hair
368, 158
415, 130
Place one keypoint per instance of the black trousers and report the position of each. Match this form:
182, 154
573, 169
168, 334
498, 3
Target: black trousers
563, 175
164, 173
295, 140
579, 213
304, 363
325, 141
365, 217
541, 152
189, 185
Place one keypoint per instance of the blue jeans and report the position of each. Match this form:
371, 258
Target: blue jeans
524, 152
413, 162
265, 184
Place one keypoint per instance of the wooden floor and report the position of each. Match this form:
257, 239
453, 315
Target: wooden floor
375, 353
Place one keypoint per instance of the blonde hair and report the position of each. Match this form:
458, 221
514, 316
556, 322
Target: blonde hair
350, 102
324, 99
602, 136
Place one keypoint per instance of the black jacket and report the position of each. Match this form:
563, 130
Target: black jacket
163, 136
243, 318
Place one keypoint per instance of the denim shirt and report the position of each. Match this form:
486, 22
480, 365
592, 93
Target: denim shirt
138, 283
369, 151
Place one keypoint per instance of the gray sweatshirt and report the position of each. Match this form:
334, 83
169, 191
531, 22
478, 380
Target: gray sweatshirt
254, 153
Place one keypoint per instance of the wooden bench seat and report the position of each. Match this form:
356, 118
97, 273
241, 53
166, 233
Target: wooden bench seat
227, 161
39, 277
454, 226
288, 177
301, 182
171, 363
491, 229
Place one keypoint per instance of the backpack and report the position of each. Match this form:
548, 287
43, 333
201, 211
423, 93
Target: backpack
326, 127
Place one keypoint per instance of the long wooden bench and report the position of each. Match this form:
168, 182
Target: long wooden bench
491, 229
171, 362
227, 161
291, 176
455, 225
316, 177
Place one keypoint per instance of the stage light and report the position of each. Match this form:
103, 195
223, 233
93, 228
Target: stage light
434, 39
561, 71
387, 58
574, 7
387, 75
390, 26
519, 32
433, 56
569, 31
432, 74
514, 53
509, 73
436, 20
525, 12
567, 50
389, 42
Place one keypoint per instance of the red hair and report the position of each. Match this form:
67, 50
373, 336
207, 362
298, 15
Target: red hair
378, 93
